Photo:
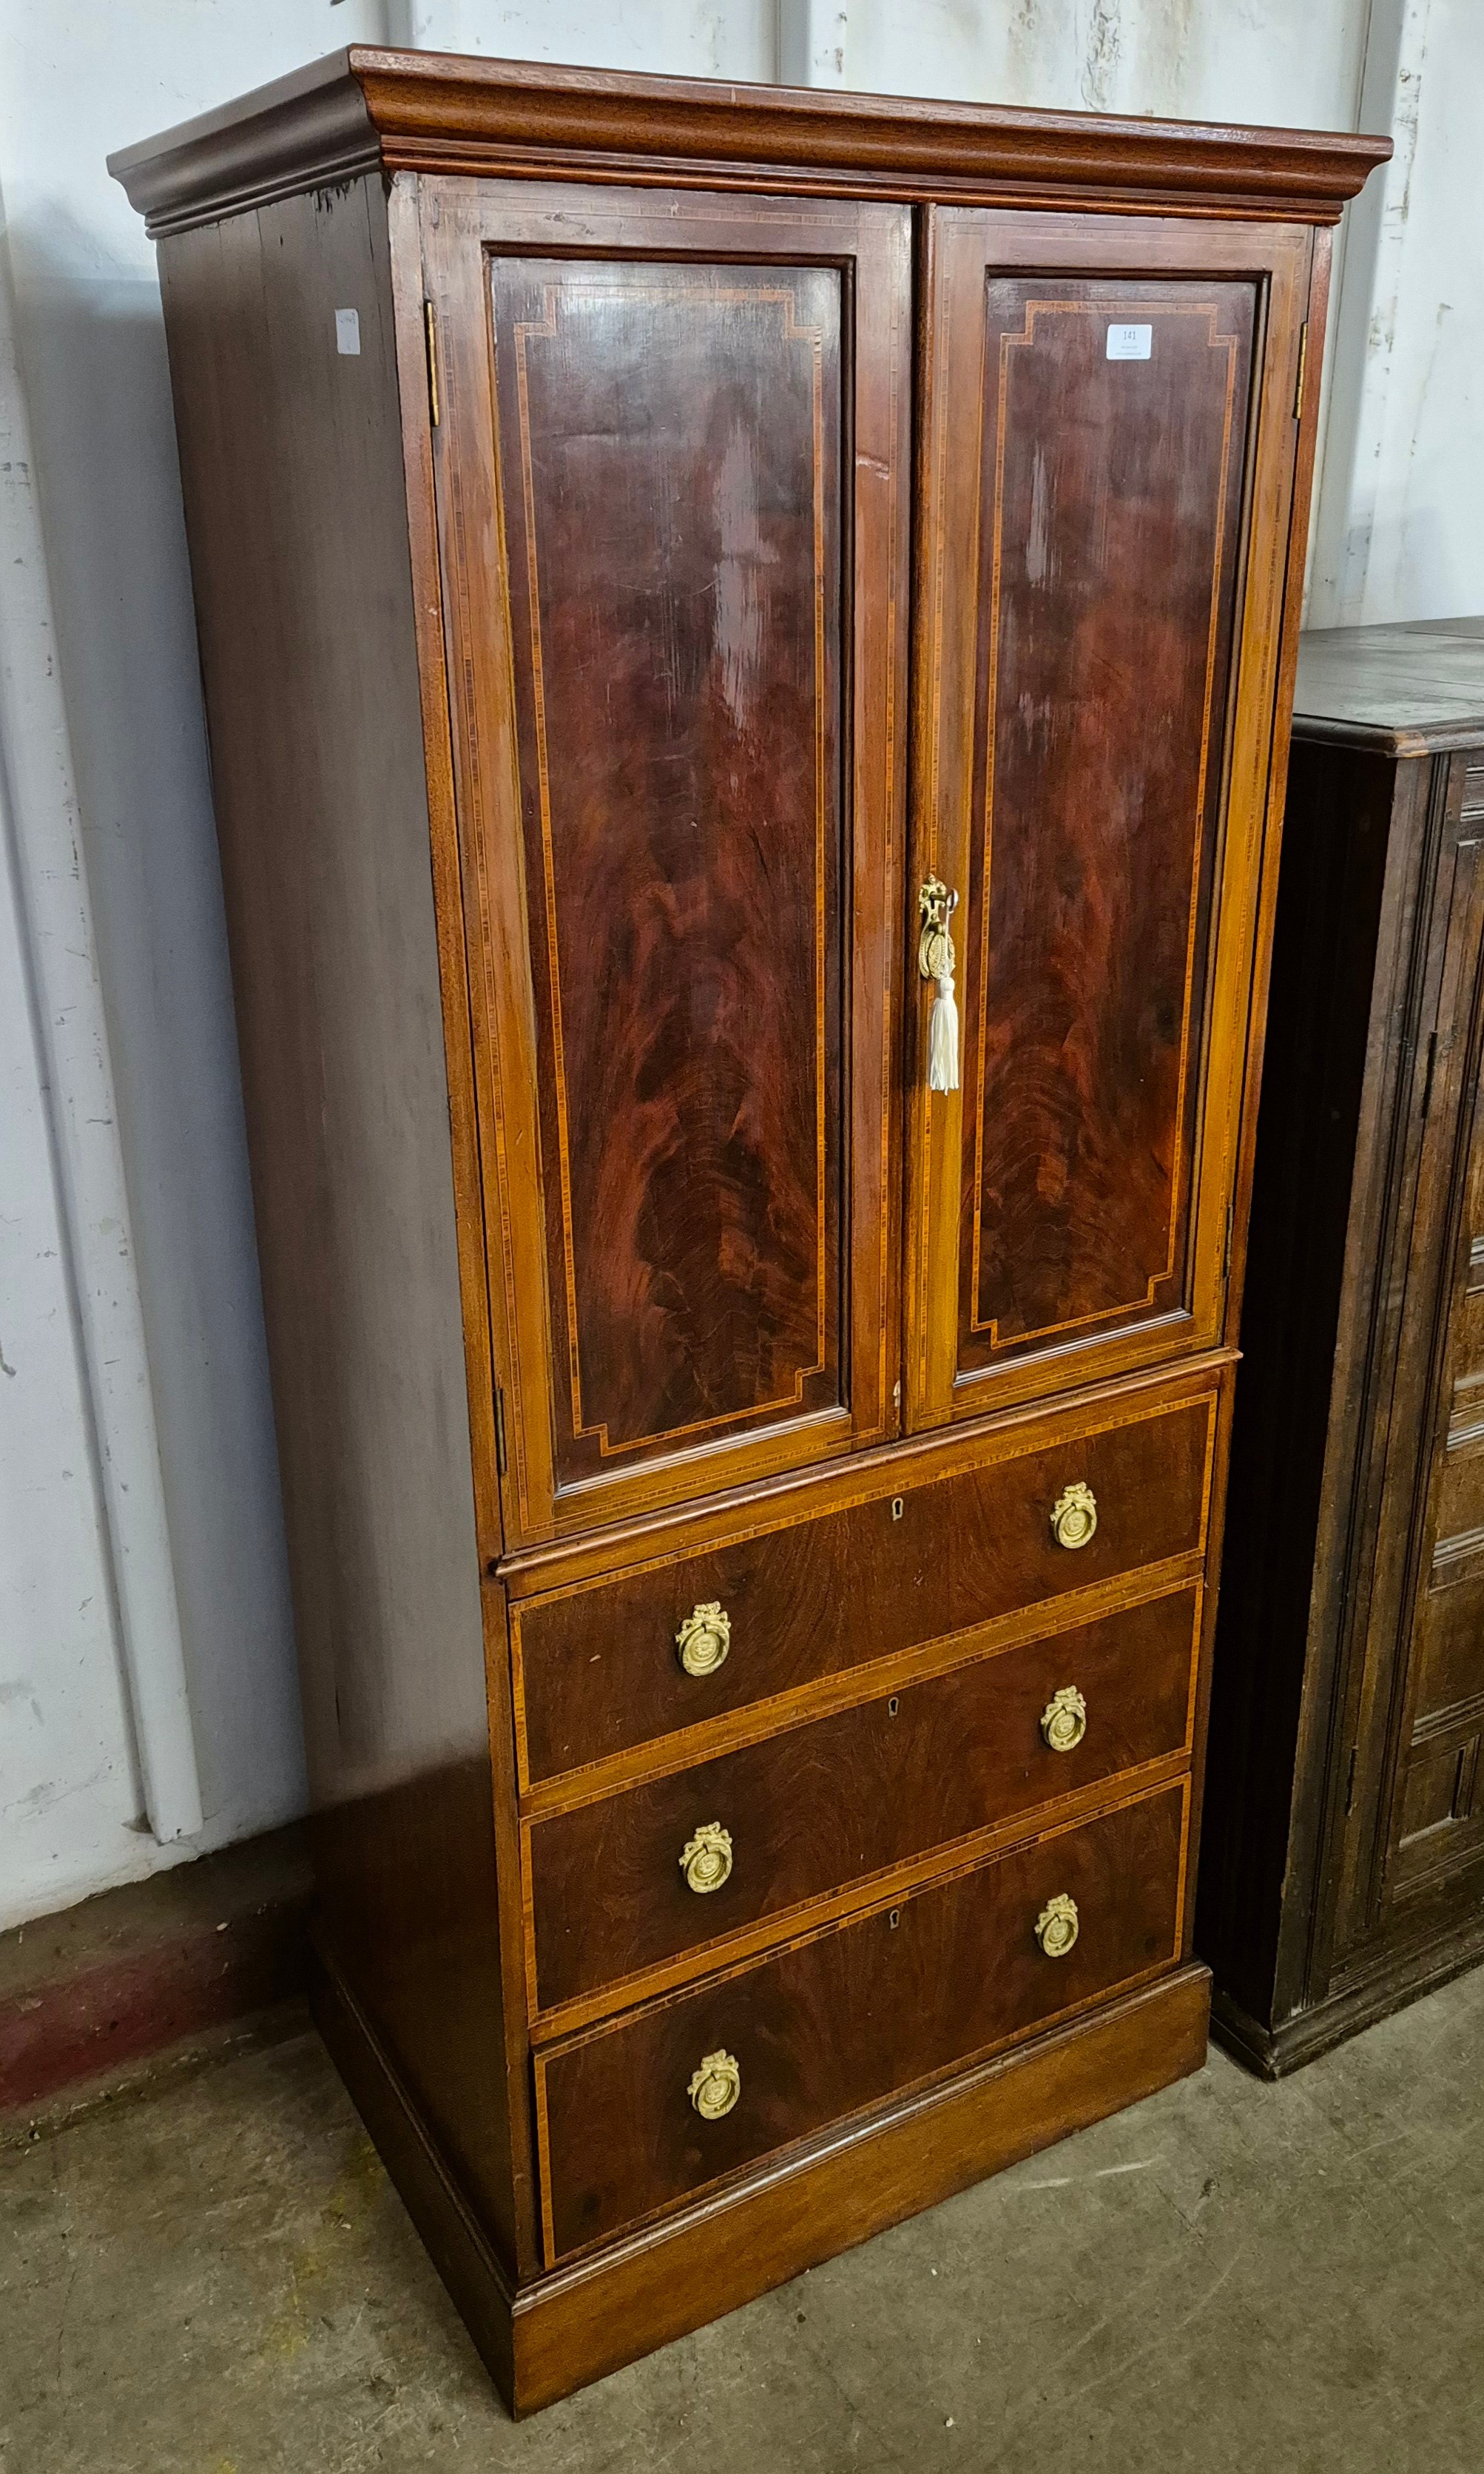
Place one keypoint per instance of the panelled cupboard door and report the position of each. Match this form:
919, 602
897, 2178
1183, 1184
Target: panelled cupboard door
1108, 427
671, 461
1415, 1814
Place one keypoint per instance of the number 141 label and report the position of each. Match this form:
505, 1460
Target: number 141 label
1130, 343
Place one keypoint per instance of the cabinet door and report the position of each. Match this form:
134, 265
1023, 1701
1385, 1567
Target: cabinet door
671, 466
1414, 1828
1109, 427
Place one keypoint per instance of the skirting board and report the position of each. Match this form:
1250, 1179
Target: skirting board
105, 1995
1274, 2053
580, 2322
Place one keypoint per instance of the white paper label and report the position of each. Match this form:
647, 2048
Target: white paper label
1130, 343
347, 331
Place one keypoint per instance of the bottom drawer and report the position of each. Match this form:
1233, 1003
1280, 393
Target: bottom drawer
652, 2108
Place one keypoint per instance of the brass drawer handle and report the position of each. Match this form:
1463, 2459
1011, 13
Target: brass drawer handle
1074, 1516
715, 2086
706, 1859
704, 1638
1064, 1719
1057, 1926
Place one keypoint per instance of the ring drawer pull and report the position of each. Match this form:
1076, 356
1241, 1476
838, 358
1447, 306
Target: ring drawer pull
706, 1859
1064, 1719
1074, 1516
704, 1638
1057, 1926
715, 2086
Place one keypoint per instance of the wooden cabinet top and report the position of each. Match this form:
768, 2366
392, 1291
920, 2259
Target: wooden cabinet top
426, 112
1412, 690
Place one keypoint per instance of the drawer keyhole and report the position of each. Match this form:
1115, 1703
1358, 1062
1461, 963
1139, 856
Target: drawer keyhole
897, 1506
893, 1706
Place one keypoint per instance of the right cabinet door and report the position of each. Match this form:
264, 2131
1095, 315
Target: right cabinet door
1108, 443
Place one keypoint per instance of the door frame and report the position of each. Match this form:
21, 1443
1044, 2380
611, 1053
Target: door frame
462, 221
960, 244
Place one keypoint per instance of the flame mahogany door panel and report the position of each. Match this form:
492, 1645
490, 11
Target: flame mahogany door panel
671, 461
1096, 681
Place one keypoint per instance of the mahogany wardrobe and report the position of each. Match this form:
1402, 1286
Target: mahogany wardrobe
748, 639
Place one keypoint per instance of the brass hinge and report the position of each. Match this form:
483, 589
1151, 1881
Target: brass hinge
1304, 363
499, 1429
431, 335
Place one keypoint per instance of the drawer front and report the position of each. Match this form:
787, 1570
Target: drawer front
598, 1670
860, 2013
872, 1787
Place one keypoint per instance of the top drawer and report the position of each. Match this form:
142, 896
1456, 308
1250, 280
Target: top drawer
904, 1558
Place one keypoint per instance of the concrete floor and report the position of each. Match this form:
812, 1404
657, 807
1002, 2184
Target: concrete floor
218, 2279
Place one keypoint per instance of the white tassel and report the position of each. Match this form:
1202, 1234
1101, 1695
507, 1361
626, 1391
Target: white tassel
935, 960
943, 1039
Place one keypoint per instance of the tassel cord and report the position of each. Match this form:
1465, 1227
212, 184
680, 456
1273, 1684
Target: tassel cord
943, 1039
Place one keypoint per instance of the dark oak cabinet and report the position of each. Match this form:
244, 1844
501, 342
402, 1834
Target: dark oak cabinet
1342, 1867
748, 640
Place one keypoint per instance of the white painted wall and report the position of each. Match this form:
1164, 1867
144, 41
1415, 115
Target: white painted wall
708, 38
1401, 531
77, 1269
68, 1786
111, 615
1194, 60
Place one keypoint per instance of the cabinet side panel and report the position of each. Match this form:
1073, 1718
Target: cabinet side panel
282, 351
1280, 1509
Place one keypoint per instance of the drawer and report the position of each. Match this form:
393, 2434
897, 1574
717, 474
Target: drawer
907, 1558
860, 1792
859, 2013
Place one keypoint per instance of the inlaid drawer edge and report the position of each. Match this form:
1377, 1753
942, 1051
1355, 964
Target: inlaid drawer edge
591, 1781
594, 1668
566, 1566
602, 1671
1117, 1802
714, 2208
846, 2126
871, 1894
855, 2119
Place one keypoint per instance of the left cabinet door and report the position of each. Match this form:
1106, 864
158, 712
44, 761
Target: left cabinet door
670, 454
